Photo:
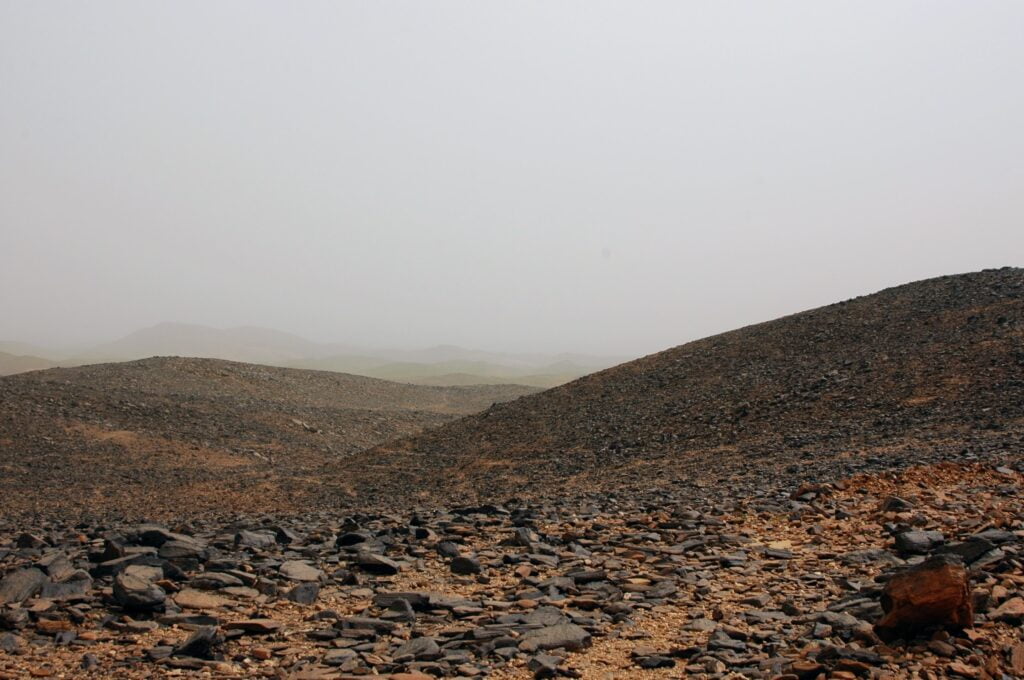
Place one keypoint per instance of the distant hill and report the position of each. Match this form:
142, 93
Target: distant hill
456, 372
22, 348
440, 365
542, 381
938, 361
13, 363
246, 344
170, 433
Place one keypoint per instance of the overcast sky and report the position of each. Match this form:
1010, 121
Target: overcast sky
589, 176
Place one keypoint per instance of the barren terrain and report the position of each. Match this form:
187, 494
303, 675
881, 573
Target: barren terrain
835, 494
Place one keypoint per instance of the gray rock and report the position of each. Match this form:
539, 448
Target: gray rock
418, 600
365, 622
352, 538
996, 536
201, 644
304, 593
255, 626
546, 616
838, 620
565, 635
20, 585
255, 539
654, 661
544, 666
154, 535
870, 556
111, 567
896, 504
918, 542
400, 610
418, 648
181, 549
465, 566
295, 570
13, 619
337, 657
448, 549
10, 643
30, 541
57, 566
377, 564
969, 550
68, 590
700, 625
525, 537
214, 580
285, 536
134, 587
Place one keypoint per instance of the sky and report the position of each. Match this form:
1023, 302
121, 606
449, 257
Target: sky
603, 177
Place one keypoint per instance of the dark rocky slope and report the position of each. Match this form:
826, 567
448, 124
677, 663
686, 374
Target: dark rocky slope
901, 374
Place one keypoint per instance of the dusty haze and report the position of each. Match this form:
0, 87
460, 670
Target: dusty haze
598, 177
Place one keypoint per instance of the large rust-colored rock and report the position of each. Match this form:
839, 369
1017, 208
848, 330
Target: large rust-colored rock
936, 592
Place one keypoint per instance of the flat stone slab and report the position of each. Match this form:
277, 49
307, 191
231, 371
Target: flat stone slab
198, 599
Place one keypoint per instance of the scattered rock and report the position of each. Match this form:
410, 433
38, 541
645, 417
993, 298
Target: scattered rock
465, 566
377, 564
918, 542
934, 593
255, 626
1011, 611
20, 585
568, 636
301, 571
201, 644
304, 593
135, 587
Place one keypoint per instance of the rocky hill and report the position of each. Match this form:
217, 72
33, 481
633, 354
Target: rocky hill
938, 361
836, 494
186, 435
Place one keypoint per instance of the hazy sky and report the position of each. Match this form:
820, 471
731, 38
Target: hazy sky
613, 177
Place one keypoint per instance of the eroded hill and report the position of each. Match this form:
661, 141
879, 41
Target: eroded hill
902, 373
173, 435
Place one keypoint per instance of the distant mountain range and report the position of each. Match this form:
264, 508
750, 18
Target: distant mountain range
440, 365
19, 363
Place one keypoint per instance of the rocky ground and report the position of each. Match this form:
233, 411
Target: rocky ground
172, 436
780, 582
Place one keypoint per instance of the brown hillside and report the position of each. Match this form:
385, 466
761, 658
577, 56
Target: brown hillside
938, 361
183, 435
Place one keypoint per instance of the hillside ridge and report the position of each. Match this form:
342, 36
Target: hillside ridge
180, 435
934, 359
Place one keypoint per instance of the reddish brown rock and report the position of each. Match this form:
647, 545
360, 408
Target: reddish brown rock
934, 593
1012, 610
53, 626
1017, 659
